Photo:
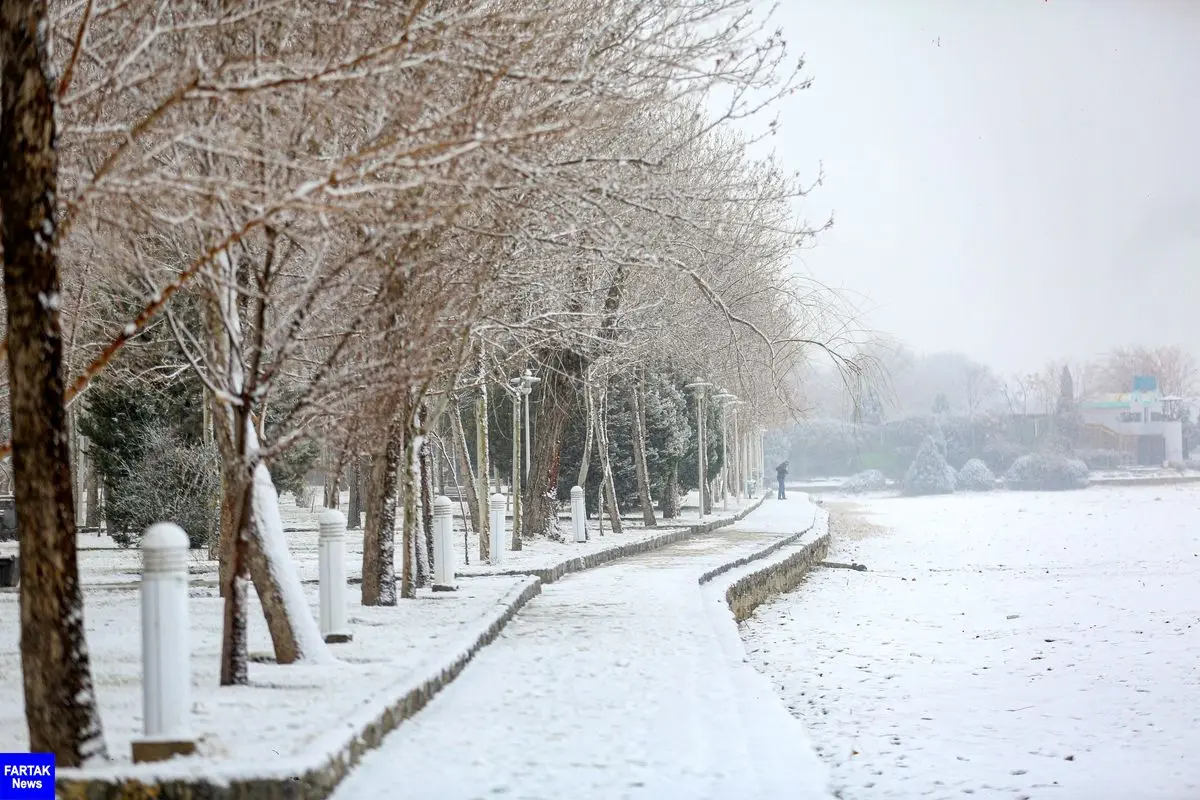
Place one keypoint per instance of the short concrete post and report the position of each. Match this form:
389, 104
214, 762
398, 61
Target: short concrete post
443, 545
496, 543
578, 514
331, 560
166, 660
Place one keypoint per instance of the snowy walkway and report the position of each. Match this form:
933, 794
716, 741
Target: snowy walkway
1010, 645
614, 683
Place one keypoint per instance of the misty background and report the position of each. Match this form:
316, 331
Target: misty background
1014, 181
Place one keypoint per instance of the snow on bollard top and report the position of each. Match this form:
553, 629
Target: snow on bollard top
576, 491
164, 549
331, 524
498, 500
442, 506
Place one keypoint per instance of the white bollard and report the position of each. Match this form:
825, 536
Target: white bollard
166, 660
496, 529
443, 545
578, 514
331, 559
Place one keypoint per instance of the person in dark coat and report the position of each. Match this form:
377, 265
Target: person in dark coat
781, 472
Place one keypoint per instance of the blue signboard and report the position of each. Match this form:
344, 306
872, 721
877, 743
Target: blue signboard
26, 776
1145, 383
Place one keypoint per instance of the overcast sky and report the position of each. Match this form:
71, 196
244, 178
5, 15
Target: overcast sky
1015, 179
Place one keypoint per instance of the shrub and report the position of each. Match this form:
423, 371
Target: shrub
871, 480
1100, 459
929, 473
976, 477
999, 454
1048, 472
173, 482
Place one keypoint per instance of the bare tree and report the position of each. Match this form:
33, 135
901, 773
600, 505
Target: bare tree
60, 702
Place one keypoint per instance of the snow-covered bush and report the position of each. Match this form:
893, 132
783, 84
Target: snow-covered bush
175, 482
976, 477
1046, 471
1100, 459
929, 473
871, 480
999, 454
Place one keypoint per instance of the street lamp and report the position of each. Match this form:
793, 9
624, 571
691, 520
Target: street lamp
698, 386
527, 381
726, 399
515, 392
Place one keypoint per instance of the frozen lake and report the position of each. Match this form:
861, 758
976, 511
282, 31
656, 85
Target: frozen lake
1010, 644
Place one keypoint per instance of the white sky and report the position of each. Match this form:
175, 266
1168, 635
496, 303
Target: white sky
1014, 179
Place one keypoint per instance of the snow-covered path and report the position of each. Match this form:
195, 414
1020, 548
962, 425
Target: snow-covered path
614, 683
1002, 646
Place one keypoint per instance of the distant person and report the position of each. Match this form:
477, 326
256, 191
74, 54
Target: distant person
781, 472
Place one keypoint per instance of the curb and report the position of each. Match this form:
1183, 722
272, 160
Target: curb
305, 777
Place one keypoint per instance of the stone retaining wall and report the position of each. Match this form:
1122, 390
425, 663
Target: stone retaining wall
782, 575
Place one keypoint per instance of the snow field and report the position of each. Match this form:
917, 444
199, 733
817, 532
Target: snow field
1008, 645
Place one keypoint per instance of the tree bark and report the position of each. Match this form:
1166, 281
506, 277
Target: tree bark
562, 374
467, 481
354, 507
606, 476
60, 702
409, 490
379, 535
425, 461
482, 466
637, 408
93, 496
516, 472
670, 498
590, 414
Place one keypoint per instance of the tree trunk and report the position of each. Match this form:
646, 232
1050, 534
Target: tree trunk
636, 408
481, 465
670, 497
590, 415
516, 472
606, 476
409, 490
426, 462
466, 482
354, 507
255, 549
563, 370
60, 702
379, 535
93, 496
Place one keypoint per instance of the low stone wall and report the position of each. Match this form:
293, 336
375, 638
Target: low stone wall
782, 575
298, 780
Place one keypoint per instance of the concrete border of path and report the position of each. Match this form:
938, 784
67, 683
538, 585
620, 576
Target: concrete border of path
314, 774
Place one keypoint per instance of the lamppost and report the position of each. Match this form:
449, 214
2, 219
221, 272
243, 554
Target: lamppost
726, 400
698, 386
527, 381
515, 392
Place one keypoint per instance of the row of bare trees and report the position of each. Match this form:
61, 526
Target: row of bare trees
373, 210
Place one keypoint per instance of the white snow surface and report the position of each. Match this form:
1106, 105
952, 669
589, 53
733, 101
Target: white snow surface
1007, 645
627, 681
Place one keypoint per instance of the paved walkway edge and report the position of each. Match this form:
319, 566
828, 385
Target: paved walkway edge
731, 595
314, 776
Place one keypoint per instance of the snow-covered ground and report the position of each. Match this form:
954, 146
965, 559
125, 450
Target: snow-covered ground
1007, 644
613, 683
286, 708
